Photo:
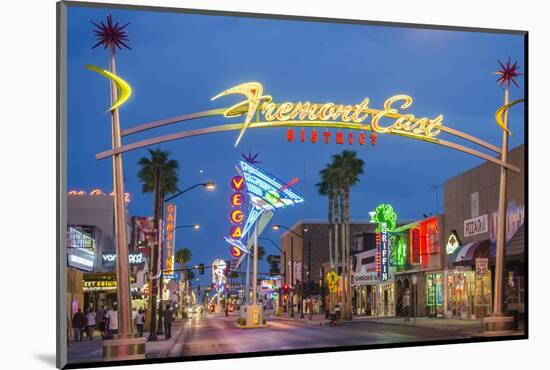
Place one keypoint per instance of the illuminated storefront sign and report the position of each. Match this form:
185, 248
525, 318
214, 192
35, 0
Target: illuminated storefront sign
134, 258
170, 225
386, 219
102, 283
476, 225
81, 259
452, 243
97, 192
218, 274
236, 216
365, 278
80, 250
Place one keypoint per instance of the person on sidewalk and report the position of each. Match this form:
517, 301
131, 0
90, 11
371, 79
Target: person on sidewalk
79, 323
112, 321
310, 308
140, 321
100, 318
407, 305
90, 323
167, 316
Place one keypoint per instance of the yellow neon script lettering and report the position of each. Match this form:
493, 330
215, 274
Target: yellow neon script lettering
253, 93
349, 116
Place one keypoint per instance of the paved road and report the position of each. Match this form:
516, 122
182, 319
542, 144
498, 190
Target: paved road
215, 335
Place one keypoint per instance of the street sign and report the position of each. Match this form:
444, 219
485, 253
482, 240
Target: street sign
482, 265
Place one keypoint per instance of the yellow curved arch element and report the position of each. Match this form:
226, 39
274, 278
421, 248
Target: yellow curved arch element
124, 89
500, 111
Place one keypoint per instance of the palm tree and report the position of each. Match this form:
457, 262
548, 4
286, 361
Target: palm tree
159, 175
329, 185
261, 252
349, 168
274, 262
182, 257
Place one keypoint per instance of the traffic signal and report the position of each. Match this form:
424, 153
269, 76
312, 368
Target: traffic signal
227, 267
201, 268
285, 288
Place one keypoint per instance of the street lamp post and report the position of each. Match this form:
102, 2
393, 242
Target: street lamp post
284, 261
301, 236
207, 186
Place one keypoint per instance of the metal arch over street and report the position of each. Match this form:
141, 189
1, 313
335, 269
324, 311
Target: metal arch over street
314, 115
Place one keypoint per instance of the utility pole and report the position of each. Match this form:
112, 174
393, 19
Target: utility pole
292, 276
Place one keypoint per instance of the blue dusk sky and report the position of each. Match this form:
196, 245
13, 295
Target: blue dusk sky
178, 62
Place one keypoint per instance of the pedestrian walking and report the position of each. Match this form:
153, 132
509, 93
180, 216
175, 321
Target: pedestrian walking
310, 308
112, 321
90, 323
407, 305
140, 321
167, 316
100, 319
79, 323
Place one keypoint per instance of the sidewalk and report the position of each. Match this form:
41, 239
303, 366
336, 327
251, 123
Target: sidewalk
464, 326
471, 327
92, 351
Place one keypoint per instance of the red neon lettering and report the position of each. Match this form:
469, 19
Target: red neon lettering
326, 134
302, 135
361, 139
290, 135
339, 138
373, 138
314, 136
350, 138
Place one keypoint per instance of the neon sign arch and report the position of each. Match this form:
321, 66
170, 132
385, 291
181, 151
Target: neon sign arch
307, 114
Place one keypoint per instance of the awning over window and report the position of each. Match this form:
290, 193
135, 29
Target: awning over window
469, 252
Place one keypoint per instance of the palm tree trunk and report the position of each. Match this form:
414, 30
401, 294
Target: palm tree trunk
154, 259
348, 254
160, 326
343, 248
330, 226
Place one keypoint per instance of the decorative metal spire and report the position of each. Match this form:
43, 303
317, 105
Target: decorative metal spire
111, 35
508, 72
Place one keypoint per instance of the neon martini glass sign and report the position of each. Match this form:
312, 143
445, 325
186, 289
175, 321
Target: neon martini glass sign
266, 193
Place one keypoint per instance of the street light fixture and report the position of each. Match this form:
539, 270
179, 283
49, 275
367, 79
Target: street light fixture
284, 255
207, 185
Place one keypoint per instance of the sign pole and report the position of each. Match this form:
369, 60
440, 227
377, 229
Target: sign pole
122, 265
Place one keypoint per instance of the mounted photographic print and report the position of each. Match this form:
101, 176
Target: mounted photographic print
236, 185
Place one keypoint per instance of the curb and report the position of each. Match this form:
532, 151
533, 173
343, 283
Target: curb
170, 343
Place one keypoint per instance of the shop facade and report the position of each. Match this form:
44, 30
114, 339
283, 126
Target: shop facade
471, 214
370, 296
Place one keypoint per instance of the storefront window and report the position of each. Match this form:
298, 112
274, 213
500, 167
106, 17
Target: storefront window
483, 297
386, 305
434, 294
459, 300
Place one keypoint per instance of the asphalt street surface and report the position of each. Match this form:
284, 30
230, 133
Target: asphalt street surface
215, 335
